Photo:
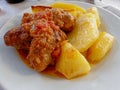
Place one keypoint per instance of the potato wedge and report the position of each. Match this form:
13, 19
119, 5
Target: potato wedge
71, 62
99, 49
72, 8
68, 6
85, 32
94, 11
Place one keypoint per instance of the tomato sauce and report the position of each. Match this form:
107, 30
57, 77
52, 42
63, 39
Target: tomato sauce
50, 70
23, 55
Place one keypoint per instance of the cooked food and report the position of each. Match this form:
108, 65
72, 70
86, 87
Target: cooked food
45, 39
72, 64
94, 11
39, 8
63, 36
75, 10
85, 32
39, 35
100, 48
59, 16
18, 37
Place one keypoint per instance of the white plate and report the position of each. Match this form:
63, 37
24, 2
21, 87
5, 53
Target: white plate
15, 75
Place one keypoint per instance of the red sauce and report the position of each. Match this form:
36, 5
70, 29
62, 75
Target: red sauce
50, 70
23, 55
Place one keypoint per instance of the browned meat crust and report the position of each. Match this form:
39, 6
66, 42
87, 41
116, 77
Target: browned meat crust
18, 38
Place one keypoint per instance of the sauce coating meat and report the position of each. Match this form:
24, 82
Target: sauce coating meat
46, 37
61, 18
18, 38
40, 35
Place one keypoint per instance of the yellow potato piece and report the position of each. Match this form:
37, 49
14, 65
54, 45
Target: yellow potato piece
74, 9
68, 6
94, 11
85, 32
99, 49
71, 62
